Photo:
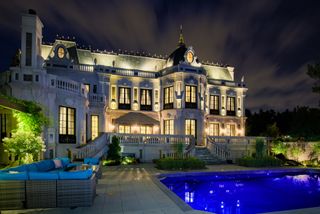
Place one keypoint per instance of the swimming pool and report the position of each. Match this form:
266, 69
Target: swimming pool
246, 192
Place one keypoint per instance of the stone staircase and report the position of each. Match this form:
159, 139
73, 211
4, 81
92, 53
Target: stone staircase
204, 154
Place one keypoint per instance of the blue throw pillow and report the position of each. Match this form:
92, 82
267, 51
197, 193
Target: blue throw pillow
45, 165
77, 175
13, 176
43, 175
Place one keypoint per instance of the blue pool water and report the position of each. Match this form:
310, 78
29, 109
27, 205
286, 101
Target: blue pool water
247, 192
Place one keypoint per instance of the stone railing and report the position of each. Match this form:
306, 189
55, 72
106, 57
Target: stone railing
83, 67
232, 148
154, 139
97, 99
90, 149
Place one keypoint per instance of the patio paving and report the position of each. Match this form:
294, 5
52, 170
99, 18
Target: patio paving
132, 189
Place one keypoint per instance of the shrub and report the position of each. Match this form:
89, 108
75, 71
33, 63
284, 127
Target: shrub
260, 148
265, 161
295, 151
129, 160
25, 145
114, 150
180, 164
279, 147
178, 149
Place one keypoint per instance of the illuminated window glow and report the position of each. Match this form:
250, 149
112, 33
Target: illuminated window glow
169, 127
94, 126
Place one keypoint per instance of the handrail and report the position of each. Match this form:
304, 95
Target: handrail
90, 149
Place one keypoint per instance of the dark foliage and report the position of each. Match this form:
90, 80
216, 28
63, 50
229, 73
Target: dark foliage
265, 161
114, 150
301, 122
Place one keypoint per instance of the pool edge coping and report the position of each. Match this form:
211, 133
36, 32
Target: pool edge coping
186, 207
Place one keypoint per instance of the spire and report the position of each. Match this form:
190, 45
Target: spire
181, 39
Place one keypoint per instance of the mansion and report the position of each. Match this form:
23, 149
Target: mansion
86, 92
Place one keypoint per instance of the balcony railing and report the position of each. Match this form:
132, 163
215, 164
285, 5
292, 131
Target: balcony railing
97, 99
144, 139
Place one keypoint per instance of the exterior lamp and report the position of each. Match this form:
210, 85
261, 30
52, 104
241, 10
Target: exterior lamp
239, 112
223, 111
113, 104
135, 106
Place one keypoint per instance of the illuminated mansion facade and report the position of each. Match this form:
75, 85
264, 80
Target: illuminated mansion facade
86, 92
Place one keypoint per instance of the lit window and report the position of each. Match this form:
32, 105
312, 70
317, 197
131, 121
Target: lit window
214, 104
145, 99
168, 97
231, 110
168, 127
67, 125
231, 130
214, 129
94, 126
124, 129
124, 98
190, 127
146, 129
191, 96
113, 93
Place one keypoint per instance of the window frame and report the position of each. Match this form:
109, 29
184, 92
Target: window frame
190, 127
214, 104
92, 127
168, 97
231, 106
168, 127
191, 96
144, 99
67, 137
124, 102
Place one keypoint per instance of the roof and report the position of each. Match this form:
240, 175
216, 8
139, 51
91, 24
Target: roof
133, 118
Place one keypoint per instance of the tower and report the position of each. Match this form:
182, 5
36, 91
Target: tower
31, 39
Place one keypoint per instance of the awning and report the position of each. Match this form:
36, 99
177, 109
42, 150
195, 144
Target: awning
135, 118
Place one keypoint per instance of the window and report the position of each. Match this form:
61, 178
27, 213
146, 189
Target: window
17, 76
231, 111
124, 129
94, 126
231, 130
214, 104
67, 124
191, 127
37, 78
191, 96
113, 93
146, 130
94, 89
87, 87
168, 97
27, 77
168, 127
28, 49
125, 98
214, 129
135, 94
146, 99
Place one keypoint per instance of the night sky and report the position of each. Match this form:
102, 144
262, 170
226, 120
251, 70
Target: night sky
269, 42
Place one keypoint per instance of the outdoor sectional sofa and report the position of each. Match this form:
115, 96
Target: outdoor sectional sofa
44, 185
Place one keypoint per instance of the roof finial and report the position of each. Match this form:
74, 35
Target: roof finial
181, 39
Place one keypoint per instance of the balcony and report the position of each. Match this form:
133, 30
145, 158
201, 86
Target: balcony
191, 105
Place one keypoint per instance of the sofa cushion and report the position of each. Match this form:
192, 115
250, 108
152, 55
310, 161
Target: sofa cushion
21, 168
65, 161
32, 167
45, 165
93, 161
43, 175
13, 175
76, 175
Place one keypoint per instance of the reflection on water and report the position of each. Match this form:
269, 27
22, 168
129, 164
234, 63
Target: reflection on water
247, 195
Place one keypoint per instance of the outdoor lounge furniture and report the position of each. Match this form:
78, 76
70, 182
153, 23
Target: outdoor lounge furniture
42, 185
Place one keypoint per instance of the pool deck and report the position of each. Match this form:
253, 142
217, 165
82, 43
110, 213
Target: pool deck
133, 189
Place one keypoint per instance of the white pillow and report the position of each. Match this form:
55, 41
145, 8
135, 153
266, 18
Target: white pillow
57, 163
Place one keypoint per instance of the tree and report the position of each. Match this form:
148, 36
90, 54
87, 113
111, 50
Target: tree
273, 130
114, 150
24, 145
314, 73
